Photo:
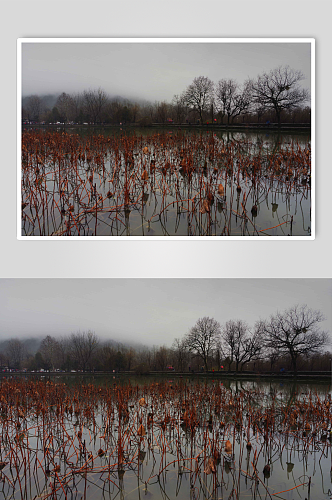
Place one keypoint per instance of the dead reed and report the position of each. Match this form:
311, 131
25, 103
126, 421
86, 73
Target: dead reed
58, 440
168, 183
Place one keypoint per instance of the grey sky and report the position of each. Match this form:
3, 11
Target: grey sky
151, 311
152, 71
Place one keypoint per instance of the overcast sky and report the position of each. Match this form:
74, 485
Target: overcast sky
152, 71
151, 311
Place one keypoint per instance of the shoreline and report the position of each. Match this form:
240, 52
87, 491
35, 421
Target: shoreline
236, 127
220, 375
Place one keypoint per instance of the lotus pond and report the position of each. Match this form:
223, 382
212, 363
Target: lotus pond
188, 438
164, 183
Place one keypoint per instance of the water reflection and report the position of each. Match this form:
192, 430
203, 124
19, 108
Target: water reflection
97, 436
162, 184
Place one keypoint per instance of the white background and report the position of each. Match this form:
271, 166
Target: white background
159, 18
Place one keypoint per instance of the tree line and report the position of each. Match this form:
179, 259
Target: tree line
289, 340
274, 96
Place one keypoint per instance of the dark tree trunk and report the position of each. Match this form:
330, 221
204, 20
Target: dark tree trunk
294, 364
278, 113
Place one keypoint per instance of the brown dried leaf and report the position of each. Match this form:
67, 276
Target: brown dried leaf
228, 446
141, 431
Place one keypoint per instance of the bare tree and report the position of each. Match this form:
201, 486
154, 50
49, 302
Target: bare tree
294, 332
94, 103
180, 352
15, 352
225, 91
135, 108
147, 114
231, 99
279, 90
3, 359
161, 357
64, 351
50, 350
77, 103
83, 345
272, 356
202, 338
106, 356
130, 356
144, 357
162, 111
239, 344
34, 108
252, 348
229, 336
66, 107
259, 110
179, 107
199, 95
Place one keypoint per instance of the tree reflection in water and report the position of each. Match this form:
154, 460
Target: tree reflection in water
181, 438
164, 184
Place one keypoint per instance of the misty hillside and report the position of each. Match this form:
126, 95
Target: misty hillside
48, 101
32, 344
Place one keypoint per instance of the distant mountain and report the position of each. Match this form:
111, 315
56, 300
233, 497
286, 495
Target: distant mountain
48, 101
113, 342
31, 345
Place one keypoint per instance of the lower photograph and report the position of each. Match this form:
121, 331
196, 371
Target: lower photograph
165, 388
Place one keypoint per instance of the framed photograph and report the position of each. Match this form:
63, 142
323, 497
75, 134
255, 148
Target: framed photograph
185, 139
208, 397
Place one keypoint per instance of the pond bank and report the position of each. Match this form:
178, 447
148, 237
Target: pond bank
326, 375
303, 127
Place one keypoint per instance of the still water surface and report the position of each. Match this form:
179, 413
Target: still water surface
147, 182
98, 437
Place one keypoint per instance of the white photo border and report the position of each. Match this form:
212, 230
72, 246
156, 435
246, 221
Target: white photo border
21, 41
